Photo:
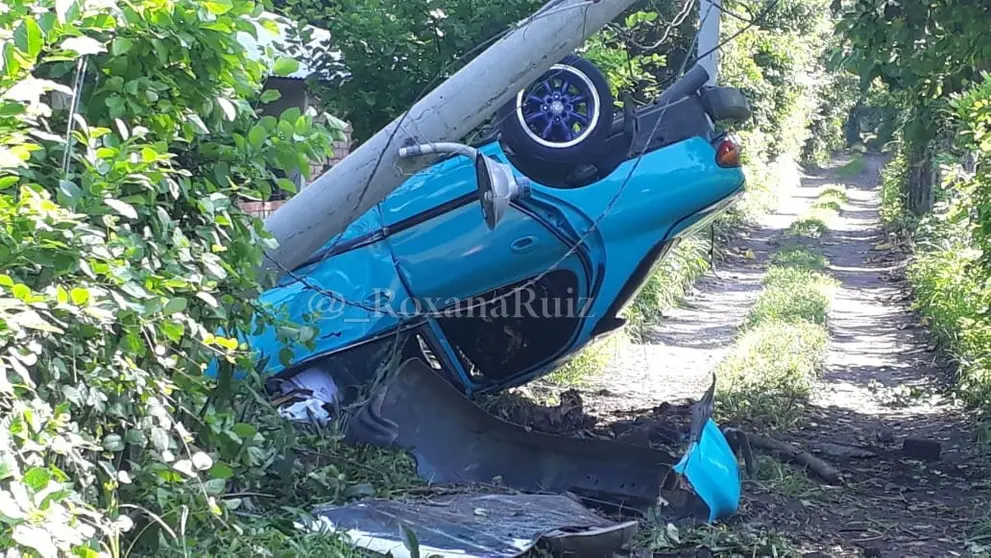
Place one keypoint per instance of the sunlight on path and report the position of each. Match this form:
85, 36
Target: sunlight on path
681, 351
874, 337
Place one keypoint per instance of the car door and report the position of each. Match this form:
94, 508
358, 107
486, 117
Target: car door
507, 300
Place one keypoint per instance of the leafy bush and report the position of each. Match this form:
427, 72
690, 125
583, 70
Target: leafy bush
122, 252
893, 177
951, 272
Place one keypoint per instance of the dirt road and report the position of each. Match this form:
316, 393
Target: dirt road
883, 383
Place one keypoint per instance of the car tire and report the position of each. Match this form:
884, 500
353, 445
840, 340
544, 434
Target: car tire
563, 118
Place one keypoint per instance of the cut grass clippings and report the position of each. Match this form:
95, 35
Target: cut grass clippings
768, 376
716, 540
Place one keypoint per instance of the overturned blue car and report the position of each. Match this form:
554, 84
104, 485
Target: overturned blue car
497, 264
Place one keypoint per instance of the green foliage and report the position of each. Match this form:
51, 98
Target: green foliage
799, 257
729, 539
852, 168
893, 177
811, 226
837, 94
618, 51
922, 49
793, 294
950, 274
674, 275
122, 253
393, 51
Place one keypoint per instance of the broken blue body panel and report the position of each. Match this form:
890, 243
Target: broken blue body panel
422, 274
713, 471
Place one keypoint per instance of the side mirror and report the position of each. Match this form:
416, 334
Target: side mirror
497, 185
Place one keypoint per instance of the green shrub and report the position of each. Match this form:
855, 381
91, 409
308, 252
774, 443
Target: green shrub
951, 272
122, 254
893, 176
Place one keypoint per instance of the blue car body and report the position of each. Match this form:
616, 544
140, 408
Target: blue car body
385, 273
423, 263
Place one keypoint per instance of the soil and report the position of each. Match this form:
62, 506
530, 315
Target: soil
888, 503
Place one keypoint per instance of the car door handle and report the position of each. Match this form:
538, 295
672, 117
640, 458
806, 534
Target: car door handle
524, 244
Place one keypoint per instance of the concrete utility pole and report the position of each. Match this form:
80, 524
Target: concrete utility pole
327, 206
709, 15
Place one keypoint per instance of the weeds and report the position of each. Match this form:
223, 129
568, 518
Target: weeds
768, 376
792, 294
812, 226
786, 479
586, 364
831, 199
854, 167
674, 275
782, 349
796, 256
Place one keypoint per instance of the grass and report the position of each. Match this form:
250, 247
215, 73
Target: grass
812, 226
586, 364
797, 256
792, 294
831, 198
786, 479
853, 168
825, 208
768, 376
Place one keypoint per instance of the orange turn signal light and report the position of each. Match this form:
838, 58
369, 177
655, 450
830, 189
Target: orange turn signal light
728, 153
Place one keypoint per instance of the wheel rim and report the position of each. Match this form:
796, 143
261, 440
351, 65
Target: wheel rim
560, 109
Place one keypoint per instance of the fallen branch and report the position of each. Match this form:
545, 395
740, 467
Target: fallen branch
795, 455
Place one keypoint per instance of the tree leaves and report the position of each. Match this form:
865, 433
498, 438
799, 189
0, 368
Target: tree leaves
218, 7
175, 305
285, 66
122, 208
270, 95
230, 111
28, 37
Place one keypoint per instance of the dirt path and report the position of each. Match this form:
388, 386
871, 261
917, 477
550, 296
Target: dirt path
882, 384
680, 352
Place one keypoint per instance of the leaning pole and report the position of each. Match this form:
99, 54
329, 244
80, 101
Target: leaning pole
330, 203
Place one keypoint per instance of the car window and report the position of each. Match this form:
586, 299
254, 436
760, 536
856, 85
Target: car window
507, 335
